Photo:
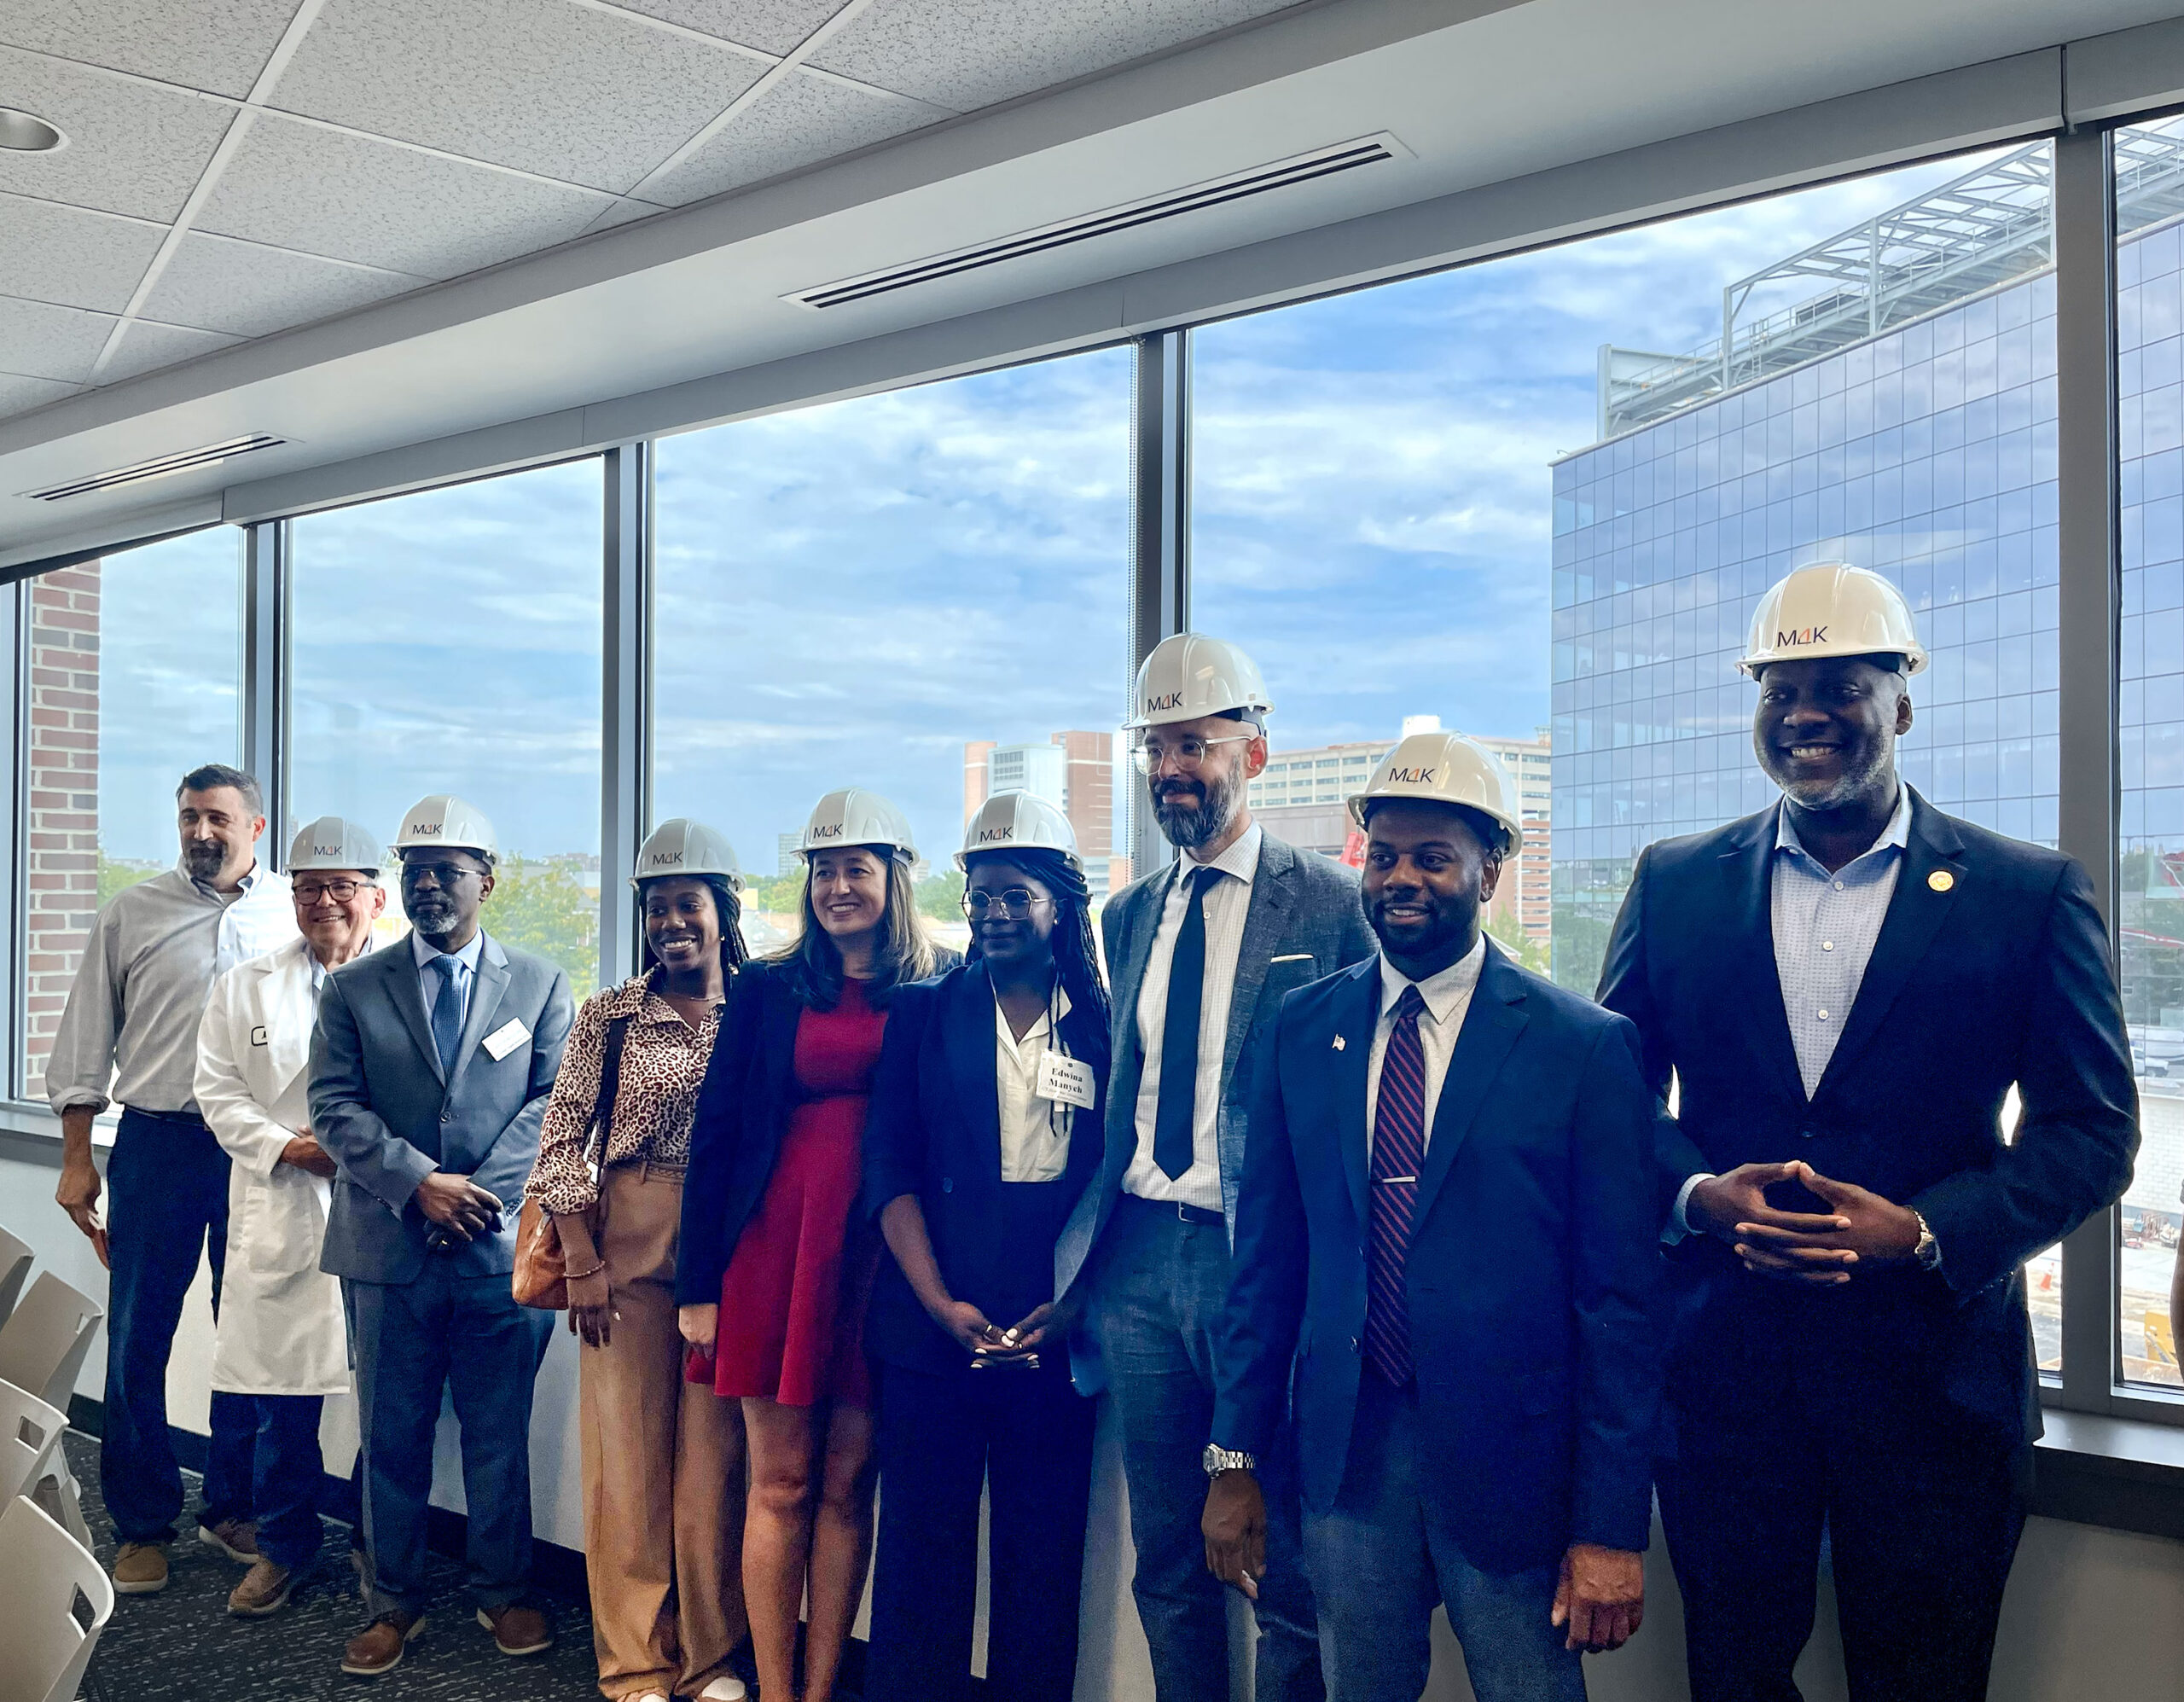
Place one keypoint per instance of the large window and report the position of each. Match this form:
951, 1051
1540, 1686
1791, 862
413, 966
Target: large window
135, 672
922, 593
449, 641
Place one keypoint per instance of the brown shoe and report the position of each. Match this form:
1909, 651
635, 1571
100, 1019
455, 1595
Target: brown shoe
517, 1630
378, 1647
139, 1569
264, 1590
236, 1538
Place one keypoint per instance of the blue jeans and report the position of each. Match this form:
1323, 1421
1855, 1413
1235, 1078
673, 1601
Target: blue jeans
166, 1205
466, 1334
286, 1487
1160, 1287
1379, 1567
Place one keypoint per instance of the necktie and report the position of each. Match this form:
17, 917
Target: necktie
1398, 1151
447, 1012
1176, 1116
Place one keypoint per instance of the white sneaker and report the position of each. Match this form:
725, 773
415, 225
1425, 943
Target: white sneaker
724, 1690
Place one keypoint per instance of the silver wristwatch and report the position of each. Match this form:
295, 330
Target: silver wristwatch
1219, 1459
1928, 1252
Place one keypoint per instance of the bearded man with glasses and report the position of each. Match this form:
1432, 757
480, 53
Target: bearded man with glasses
1201, 954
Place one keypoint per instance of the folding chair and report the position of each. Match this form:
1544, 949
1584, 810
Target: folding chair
59, 1600
15, 1259
45, 1340
34, 1463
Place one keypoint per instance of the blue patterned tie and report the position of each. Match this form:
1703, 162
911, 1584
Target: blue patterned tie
447, 1012
1399, 1156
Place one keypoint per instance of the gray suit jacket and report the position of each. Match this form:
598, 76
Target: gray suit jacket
1306, 921
380, 1104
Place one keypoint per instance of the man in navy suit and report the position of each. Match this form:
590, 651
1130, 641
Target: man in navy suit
1845, 988
1444, 1237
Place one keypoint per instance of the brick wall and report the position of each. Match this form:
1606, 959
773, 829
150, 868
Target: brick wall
63, 836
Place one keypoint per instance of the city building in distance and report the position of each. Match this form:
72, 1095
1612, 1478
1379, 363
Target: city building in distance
1073, 769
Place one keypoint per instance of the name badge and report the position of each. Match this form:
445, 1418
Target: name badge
1066, 1081
505, 1039
258, 1036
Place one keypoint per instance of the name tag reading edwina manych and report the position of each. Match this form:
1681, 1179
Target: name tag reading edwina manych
1066, 1081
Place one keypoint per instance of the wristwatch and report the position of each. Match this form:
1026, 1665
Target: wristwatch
1218, 1460
1928, 1252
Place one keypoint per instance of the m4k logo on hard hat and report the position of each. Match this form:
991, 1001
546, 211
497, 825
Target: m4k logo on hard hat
326, 850
1411, 776
831, 830
426, 830
996, 836
1801, 635
666, 858
1173, 700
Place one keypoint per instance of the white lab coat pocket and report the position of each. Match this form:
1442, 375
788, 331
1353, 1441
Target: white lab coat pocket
283, 1223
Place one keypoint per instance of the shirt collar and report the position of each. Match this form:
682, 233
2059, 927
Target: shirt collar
1895, 837
1444, 991
1040, 1030
255, 877
467, 957
1241, 861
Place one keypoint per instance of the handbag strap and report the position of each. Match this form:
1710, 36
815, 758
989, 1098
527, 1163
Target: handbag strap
610, 1084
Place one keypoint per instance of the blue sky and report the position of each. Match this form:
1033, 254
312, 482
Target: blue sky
846, 594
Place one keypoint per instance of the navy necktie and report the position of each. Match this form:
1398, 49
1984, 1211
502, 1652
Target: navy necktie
447, 1012
1175, 1117
1398, 1155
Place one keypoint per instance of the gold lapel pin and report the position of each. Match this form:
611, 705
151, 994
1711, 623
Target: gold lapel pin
1339, 1042
1941, 881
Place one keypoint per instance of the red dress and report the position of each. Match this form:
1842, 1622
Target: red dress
793, 1300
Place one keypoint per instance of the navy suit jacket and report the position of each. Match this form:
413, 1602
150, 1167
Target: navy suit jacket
1991, 971
1530, 1277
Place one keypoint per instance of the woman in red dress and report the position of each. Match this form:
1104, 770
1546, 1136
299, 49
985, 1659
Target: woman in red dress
776, 1264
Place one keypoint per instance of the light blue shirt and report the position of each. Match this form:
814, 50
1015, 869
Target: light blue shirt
429, 977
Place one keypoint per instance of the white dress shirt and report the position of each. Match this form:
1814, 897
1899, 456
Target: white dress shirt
1034, 1131
1227, 902
1448, 997
428, 977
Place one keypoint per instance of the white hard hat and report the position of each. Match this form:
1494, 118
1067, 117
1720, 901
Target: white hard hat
682, 847
444, 819
332, 843
1829, 609
1445, 768
1190, 675
1018, 821
854, 816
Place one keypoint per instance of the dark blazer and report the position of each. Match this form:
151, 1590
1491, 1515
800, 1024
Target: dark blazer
934, 1131
1304, 922
743, 1111
1991, 970
1531, 1278
380, 1104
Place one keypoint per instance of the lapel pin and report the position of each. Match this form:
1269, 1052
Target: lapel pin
1340, 1042
1941, 881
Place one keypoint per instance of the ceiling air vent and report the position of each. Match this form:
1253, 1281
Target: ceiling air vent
1301, 168
158, 468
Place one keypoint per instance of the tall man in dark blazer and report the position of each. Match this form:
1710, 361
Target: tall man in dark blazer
1200, 955
1445, 1227
430, 1067
1845, 988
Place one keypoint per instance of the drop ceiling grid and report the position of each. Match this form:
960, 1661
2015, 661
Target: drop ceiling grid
236, 167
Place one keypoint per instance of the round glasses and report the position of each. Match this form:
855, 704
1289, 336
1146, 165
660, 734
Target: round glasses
340, 892
1188, 752
1011, 904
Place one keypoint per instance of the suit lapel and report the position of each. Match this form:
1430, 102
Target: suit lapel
1491, 1025
1356, 1013
1915, 914
406, 982
1266, 922
1144, 922
970, 1039
1755, 984
487, 985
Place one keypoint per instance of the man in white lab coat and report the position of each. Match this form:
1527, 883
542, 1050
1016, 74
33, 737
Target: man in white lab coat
280, 1337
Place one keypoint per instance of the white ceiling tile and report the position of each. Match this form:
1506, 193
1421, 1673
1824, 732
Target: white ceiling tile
146, 346
51, 253
295, 186
131, 148
624, 212
800, 121
18, 394
215, 44
240, 286
40, 340
587, 96
770, 26
968, 54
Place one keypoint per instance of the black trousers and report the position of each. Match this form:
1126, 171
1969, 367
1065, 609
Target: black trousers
1921, 1528
1027, 1436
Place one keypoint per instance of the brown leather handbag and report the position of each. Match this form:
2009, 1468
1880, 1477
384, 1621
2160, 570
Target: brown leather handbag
541, 1277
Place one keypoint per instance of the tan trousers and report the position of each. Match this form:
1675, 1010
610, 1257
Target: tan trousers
663, 1467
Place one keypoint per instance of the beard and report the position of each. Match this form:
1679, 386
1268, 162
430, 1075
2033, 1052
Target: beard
204, 861
433, 916
1856, 780
1195, 812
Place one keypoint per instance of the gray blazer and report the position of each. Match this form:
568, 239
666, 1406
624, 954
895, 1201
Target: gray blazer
380, 1104
1306, 921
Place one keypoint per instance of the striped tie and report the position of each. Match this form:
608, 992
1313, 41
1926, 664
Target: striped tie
1398, 1155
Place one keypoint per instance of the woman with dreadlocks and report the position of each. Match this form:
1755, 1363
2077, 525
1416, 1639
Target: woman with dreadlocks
985, 1128
663, 1458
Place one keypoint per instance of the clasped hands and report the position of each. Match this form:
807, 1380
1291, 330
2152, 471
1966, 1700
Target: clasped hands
987, 1342
1600, 1598
1859, 1230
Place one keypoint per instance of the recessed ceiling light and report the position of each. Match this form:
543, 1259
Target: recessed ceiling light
26, 133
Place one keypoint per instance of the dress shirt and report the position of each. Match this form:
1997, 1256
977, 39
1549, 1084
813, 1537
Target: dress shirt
139, 994
1825, 928
1448, 994
428, 977
1227, 902
1034, 1131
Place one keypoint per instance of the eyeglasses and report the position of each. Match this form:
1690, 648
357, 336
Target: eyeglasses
340, 892
1013, 904
1188, 752
447, 874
